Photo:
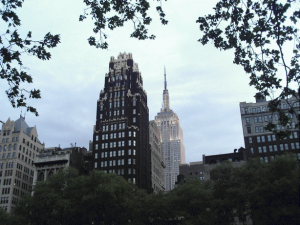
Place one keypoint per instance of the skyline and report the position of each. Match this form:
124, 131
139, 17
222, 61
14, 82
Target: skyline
204, 86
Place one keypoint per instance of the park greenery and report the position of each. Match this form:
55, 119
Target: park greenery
265, 192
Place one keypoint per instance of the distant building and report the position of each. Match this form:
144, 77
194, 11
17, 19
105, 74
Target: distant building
51, 160
194, 170
262, 143
171, 138
18, 149
238, 159
121, 134
157, 164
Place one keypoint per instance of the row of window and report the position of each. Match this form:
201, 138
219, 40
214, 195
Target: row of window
9, 147
114, 135
265, 108
114, 144
119, 162
274, 148
272, 157
8, 165
113, 126
271, 137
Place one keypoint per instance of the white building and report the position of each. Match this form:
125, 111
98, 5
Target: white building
18, 149
157, 163
171, 138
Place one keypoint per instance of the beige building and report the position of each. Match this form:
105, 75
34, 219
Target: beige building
157, 164
171, 138
51, 160
18, 149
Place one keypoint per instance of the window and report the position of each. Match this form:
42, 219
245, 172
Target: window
263, 139
120, 134
134, 103
266, 118
293, 145
103, 136
103, 128
129, 142
251, 149
134, 134
101, 108
134, 111
134, 119
266, 159
133, 151
102, 146
258, 139
123, 125
122, 111
115, 113
264, 148
258, 109
96, 155
295, 135
257, 129
259, 150
286, 146
129, 170
129, 161
102, 154
246, 110
254, 110
129, 133
123, 143
249, 130
269, 138
297, 145
96, 164
97, 137
270, 148
134, 143
106, 145
123, 103
255, 119
123, 134
270, 118
259, 119
110, 105
96, 147
281, 147
273, 137
115, 126
261, 129
15, 146
275, 148
276, 117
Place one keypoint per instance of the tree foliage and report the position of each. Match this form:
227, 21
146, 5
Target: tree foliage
106, 14
112, 14
12, 47
266, 192
259, 33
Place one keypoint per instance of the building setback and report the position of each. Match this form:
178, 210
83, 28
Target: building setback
157, 164
121, 134
18, 149
171, 138
262, 143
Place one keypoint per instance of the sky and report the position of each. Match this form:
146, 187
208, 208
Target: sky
205, 86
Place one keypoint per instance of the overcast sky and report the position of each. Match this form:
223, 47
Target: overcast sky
205, 86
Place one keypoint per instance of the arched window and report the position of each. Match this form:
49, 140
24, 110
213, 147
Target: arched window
10, 148
41, 176
50, 173
5, 148
15, 146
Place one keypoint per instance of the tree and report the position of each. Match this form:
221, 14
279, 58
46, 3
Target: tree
12, 47
67, 198
267, 192
259, 32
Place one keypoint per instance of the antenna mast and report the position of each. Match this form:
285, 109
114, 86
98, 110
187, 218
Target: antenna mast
165, 79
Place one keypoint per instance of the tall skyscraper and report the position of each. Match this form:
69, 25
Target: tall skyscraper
121, 133
171, 137
18, 149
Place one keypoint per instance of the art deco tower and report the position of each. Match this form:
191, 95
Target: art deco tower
121, 133
171, 137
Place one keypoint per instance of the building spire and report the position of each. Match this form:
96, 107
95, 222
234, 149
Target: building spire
166, 103
165, 79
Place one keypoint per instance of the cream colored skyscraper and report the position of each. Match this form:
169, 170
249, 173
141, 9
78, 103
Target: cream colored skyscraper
171, 138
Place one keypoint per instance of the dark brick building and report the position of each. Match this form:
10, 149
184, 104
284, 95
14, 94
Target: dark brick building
121, 133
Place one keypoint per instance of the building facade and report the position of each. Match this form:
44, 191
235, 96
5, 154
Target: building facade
121, 134
157, 164
171, 138
18, 149
51, 160
262, 143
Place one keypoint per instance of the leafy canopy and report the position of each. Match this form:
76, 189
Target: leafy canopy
260, 32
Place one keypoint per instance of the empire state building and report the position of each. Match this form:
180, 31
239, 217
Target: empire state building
171, 137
